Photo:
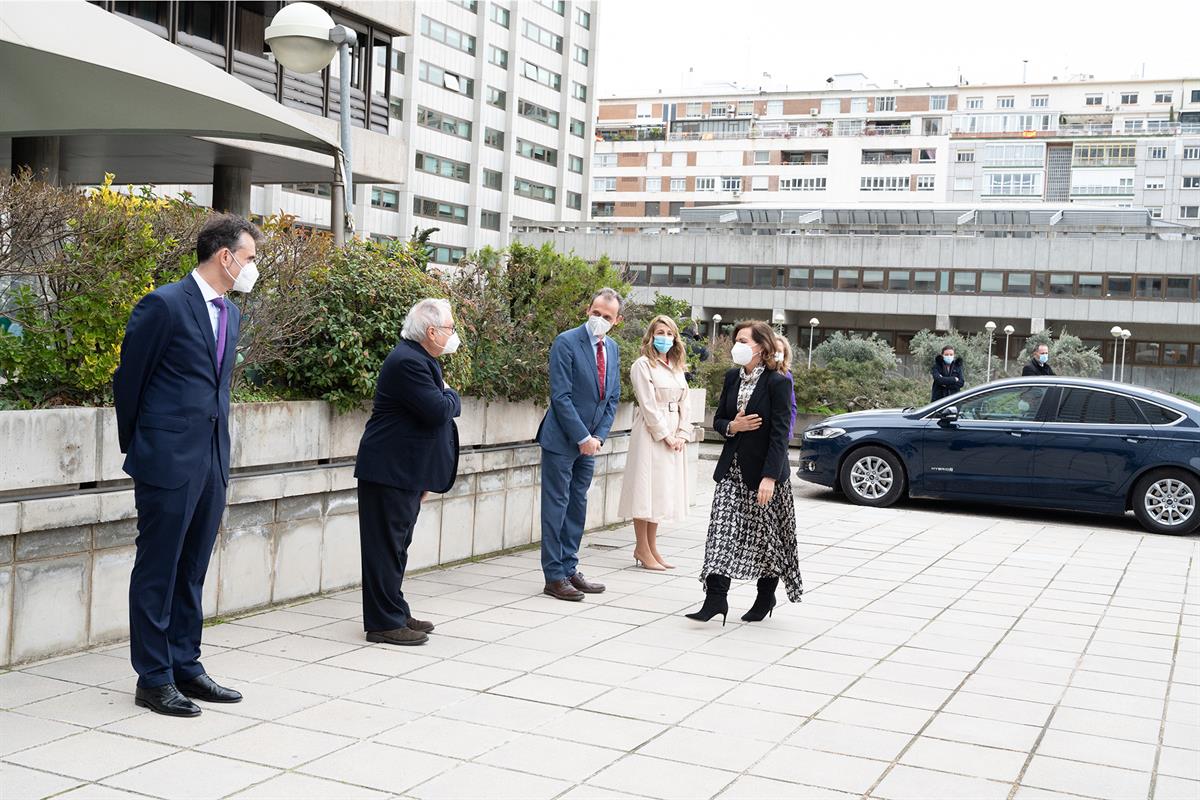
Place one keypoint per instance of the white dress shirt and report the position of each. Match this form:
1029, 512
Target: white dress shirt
209, 293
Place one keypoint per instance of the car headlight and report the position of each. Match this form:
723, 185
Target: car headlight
824, 433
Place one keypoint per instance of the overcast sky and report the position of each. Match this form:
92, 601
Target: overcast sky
648, 45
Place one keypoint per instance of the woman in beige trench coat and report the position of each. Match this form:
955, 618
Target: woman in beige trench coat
657, 473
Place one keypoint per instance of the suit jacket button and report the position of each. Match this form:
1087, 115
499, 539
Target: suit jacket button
212, 419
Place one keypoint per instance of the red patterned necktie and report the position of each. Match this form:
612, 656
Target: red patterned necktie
600, 365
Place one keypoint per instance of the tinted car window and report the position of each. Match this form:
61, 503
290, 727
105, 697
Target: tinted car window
1157, 415
1097, 408
1020, 403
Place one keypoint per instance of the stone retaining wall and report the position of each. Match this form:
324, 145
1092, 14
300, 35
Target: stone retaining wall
68, 523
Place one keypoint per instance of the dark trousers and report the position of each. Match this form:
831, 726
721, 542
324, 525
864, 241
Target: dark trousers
177, 529
386, 518
565, 484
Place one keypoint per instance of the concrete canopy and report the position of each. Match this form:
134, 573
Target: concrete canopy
128, 102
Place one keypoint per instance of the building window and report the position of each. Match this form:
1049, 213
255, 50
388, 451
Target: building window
575, 164
963, 184
693, 110
1153, 185
1156, 153
964, 156
731, 183
1189, 212
1013, 184
1191, 153
469, 5
1039, 101
431, 73
924, 183
974, 103
774, 108
1154, 211
885, 103
759, 183
451, 37
493, 138
445, 167
497, 97
449, 212
927, 155
1163, 97
1014, 155
542, 36
396, 108
678, 184
1196, 95
1129, 98
1005, 102
1104, 155
498, 56
534, 191
443, 122
445, 254
577, 127
1093, 100
537, 113
500, 14
318, 189
537, 152
762, 156
493, 179
931, 126
541, 75
1191, 181
802, 184
603, 184
581, 54
583, 19
706, 184
489, 220
858, 105
575, 200
938, 102
604, 209
578, 91
557, 6
604, 159
890, 183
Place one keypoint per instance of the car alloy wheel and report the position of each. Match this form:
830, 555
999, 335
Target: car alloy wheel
871, 477
1170, 502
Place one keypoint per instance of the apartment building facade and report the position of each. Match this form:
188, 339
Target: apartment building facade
484, 110
1119, 144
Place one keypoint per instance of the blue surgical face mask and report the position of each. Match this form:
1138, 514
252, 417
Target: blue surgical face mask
1043, 358
948, 359
663, 344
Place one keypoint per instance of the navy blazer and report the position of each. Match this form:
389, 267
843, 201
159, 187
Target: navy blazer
578, 409
762, 452
169, 399
411, 441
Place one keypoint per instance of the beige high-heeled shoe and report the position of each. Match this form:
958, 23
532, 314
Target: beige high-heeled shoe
664, 564
651, 565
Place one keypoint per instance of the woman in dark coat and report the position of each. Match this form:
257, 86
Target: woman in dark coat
752, 528
947, 374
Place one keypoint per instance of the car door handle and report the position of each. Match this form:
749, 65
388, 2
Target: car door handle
1017, 434
1133, 440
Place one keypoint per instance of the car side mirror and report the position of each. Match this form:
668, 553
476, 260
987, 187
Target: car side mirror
948, 415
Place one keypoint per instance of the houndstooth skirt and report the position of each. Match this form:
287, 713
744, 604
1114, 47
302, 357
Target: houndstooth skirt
747, 541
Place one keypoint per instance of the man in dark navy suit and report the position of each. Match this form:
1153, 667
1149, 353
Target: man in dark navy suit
409, 449
171, 393
585, 385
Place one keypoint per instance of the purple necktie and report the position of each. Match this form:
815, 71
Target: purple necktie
222, 322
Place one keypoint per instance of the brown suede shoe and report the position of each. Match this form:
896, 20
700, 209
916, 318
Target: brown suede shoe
401, 636
420, 625
562, 590
582, 584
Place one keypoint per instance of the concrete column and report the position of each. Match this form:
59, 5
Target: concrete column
231, 189
41, 154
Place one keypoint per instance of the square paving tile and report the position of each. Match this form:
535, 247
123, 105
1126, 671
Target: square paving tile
706, 748
913, 783
471, 781
19, 732
90, 755
817, 768
209, 777
294, 786
275, 745
666, 780
378, 766
551, 757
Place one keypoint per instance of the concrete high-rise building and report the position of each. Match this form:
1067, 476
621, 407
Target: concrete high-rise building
1125, 144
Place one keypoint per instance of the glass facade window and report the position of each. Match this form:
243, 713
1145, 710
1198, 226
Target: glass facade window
764, 277
822, 279
489, 220
991, 282
1146, 352
925, 281
872, 280
1149, 286
717, 276
1119, 286
899, 281
1175, 354
1179, 288
450, 212
659, 275
445, 167
1091, 285
683, 276
1062, 283
964, 282
943, 281
739, 277
798, 278
1019, 283
847, 279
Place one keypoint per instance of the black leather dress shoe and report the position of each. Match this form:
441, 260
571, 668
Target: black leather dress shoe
205, 688
167, 700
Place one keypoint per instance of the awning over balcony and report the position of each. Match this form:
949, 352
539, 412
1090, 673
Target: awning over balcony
128, 102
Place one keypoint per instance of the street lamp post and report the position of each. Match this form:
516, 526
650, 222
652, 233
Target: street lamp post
1116, 334
1009, 330
716, 327
812, 328
990, 327
1125, 334
304, 38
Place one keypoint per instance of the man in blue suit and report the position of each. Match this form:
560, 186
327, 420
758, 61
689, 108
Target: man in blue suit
409, 449
171, 393
585, 385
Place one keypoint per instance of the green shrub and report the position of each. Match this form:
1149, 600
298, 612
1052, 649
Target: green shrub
855, 349
842, 386
1068, 355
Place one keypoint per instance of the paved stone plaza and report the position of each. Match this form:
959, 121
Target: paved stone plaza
939, 653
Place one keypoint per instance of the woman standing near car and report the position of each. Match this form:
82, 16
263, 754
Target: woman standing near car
752, 527
657, 475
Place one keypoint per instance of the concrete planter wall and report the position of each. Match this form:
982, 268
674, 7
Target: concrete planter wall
68, 523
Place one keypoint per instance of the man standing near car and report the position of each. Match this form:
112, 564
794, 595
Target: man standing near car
1039, 364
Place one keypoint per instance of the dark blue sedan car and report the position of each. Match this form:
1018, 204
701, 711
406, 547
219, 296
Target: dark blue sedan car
1069, 443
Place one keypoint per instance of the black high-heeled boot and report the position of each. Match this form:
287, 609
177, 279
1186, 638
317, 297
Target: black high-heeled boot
764, 604
716, 600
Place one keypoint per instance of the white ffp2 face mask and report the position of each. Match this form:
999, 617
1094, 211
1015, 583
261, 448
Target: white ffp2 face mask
742, 354
598, 326
452, 344
246, 278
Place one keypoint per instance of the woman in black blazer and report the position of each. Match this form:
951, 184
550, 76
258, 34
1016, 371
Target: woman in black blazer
752, 528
